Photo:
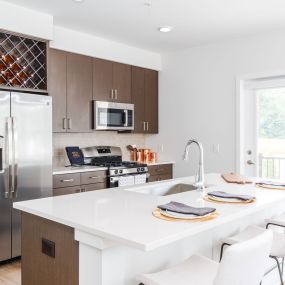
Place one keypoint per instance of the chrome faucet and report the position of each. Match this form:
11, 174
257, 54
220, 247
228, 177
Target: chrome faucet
200, 179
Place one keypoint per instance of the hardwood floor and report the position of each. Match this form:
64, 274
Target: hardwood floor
10, 273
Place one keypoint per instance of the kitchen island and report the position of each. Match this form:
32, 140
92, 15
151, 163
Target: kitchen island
113, 235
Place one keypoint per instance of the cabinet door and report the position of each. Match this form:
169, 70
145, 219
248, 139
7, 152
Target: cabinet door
57, 87
79, 93
66, 190
156, 178
122, 82
93, 187
151, 101
102, 79
138, 76
66, 180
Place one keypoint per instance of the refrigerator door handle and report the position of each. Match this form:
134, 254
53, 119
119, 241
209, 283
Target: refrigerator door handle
9, 157
14, 159
6, 164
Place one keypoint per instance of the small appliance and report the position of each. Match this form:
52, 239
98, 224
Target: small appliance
113, 116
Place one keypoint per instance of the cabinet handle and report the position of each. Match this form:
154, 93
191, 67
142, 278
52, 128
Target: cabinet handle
147, 126
112, 94
144, 126
116, 94
69, 123
64, 123
67, 180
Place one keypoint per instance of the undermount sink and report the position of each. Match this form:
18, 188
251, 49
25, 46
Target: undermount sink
179, 188
164, 189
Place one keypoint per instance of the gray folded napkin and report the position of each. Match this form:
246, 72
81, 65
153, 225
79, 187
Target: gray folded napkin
271, 183
185, 209
221, 194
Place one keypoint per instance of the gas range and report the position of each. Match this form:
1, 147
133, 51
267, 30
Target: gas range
120, 173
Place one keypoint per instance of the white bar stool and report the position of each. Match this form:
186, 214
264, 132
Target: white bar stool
277, 221
243, 263
277, 250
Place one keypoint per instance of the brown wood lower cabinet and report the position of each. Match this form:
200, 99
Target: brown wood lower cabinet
66, 190
155, 178
160, 172
92, 187
50, 255
71, 183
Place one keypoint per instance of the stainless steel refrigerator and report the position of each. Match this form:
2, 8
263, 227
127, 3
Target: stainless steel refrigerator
25, 160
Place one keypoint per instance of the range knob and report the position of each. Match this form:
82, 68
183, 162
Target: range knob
138, 169
142, 169
116, 171
121, 171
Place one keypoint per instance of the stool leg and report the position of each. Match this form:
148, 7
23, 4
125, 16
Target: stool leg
222, 250
279, 269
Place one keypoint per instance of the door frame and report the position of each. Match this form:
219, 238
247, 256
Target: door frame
240, 98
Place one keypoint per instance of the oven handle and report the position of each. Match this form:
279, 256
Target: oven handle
126, 118
116, 178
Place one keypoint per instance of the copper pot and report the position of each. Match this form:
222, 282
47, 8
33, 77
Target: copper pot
153, 157
146, 154
140, 155
134, 155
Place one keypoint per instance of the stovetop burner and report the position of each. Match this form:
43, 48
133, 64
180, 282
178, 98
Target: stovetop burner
119, 164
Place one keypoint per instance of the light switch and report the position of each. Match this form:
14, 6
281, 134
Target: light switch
216, 148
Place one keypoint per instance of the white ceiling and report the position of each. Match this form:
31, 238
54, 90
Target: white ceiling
195, 22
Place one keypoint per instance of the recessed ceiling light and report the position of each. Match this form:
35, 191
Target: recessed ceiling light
165, 29
78, 1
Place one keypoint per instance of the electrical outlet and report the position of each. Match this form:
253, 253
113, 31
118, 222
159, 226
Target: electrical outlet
216, 148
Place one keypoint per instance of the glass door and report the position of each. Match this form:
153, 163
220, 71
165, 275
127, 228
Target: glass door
263, 129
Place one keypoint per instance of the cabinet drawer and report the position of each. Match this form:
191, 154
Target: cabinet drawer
66, 190
66, 180
92, 187
160, 169
93, 177
154, 178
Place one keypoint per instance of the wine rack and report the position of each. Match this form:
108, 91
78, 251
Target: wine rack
22, 62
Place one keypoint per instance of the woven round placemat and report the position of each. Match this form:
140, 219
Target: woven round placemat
269, 187
209, 199
156, 213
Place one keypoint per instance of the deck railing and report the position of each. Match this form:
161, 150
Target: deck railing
271, 167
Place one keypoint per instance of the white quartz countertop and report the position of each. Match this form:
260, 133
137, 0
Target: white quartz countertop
78, 169
124, 215
75, 169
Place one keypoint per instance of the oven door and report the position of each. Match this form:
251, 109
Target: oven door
113, 116
128, 180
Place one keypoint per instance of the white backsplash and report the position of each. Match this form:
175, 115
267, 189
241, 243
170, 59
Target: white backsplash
105, 138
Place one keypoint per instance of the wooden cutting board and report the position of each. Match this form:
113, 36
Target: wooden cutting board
235, 178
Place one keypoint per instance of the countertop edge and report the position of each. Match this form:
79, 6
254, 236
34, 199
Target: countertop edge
58, 170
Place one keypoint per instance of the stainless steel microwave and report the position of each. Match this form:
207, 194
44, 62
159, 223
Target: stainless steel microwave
113, 116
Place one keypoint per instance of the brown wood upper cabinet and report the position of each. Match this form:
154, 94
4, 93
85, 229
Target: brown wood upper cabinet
70, 85
111, 81
57, 87
145, 99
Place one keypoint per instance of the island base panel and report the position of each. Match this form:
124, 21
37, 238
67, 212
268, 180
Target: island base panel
50, 255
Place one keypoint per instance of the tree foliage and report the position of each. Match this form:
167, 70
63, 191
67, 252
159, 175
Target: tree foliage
271, 105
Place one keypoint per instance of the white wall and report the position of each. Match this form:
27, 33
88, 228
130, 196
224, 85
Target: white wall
28, 22
25, 21
81, 43
197, 96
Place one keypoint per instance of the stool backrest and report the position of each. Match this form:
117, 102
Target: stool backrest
245, 263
